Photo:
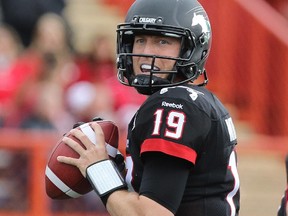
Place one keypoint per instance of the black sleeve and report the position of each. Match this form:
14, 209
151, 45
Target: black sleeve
164, 179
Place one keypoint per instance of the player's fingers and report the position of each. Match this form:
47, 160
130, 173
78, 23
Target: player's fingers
82, 137
68, 160
73, 145
74, 162
100, 138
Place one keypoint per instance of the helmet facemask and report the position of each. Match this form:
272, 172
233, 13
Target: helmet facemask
184, 70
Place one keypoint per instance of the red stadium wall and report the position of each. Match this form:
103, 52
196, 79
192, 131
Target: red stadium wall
247, 66
35, 148
37, 144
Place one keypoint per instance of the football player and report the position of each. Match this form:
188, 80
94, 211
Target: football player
180, 157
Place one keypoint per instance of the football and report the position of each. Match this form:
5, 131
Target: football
64, 181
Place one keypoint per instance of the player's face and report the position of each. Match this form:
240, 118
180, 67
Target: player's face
154, 45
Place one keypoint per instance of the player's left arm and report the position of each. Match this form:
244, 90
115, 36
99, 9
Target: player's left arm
123, 203
162, 186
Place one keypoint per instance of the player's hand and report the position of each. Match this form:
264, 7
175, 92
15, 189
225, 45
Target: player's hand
88, 156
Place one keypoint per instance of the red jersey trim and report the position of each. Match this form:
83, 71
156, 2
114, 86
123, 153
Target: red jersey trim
169, 148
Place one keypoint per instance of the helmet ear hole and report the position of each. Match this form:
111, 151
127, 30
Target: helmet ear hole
203, 39
204, 54
188, 47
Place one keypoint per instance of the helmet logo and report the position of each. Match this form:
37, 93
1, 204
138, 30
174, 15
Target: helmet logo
200, 20
147, 20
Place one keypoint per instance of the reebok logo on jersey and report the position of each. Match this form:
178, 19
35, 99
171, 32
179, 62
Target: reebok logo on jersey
172, 105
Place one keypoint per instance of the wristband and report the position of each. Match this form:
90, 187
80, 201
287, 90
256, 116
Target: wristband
105, 178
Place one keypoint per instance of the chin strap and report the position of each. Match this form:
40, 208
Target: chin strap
205, 82
147, 85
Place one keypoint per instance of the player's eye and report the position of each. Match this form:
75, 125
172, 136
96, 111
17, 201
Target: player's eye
139, 40
163, 42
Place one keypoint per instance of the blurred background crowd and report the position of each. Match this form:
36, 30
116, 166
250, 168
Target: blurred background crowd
46, 83
55, 72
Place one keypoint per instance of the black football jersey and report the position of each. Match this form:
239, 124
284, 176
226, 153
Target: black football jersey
190, 123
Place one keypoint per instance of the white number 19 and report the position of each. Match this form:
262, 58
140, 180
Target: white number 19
175, 123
